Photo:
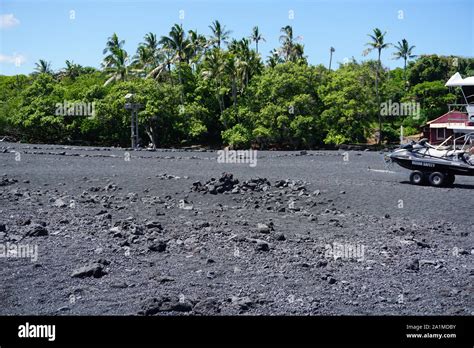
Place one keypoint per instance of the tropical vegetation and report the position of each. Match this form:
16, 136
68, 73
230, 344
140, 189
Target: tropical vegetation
217, 90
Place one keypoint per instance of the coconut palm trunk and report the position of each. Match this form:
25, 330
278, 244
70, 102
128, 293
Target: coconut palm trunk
377, 43
378, 96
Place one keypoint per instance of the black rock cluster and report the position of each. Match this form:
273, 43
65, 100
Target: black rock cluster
6, 181
227, 183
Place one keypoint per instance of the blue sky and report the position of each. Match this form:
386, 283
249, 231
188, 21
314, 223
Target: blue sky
34, 29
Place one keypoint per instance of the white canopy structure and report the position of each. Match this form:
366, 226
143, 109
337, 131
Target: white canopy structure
457, 81
467, 88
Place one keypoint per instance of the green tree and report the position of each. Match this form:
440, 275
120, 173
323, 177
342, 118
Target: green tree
36, 117
71, 71
219, 33
433, 97
213, 71
197, 44
274, 58
348, 103
378, 43
116, 65
290, 49
43, 67
405, 51
256, 37
177, 44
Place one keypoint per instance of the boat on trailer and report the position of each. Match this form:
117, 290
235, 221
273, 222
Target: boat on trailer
436, 165
439, 165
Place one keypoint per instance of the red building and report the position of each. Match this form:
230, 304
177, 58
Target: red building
451, 123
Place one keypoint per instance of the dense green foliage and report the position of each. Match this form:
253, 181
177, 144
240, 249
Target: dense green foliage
198, 90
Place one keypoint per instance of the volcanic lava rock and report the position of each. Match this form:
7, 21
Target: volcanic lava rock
119, 285
207, 306
153, 306
414, 265
165, 279
153, 224
3, 227
7, 181
23, 222
281, 183
312, 217
59, 203
255, 184
137, 230
95, 270
262, 246
463, 252
280, 237
159, 246
199, 225
211, 274
263, 228
226, 183
110, 187
37, 230
321, 263
422, 244
243, 303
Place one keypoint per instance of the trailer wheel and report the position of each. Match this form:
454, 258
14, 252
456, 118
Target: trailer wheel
450, 179
437, 179
417, 177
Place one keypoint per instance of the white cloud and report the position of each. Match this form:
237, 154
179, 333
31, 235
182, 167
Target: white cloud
16, 59
8, 20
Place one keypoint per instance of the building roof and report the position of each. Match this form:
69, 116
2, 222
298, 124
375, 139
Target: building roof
451, 117
456, 120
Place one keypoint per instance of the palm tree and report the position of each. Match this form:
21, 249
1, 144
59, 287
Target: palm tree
232, 69
378, 43
116, 65
116, 62
256, 37
331, 51
404, 50
113, 43
71, 70
144, 60
176, 43
213, 71
197, 43
287, 42
219, 33
148, 54
290, 50
151, 42
274, 58
298, 52
43, 67
248, 61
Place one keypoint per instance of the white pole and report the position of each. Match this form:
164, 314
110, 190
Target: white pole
401, 135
